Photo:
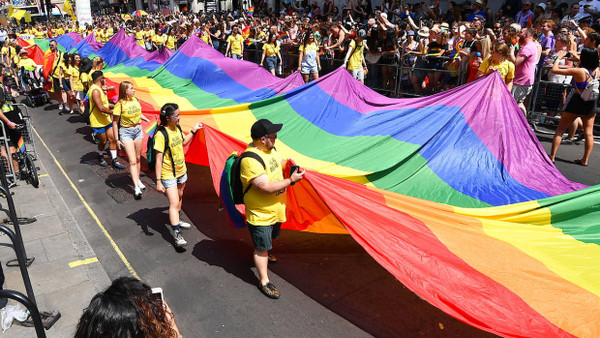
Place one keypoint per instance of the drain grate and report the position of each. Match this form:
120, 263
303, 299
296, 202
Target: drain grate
120, 195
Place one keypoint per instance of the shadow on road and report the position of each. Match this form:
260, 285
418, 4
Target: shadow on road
333, 270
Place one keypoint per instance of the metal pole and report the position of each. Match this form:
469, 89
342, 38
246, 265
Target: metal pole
31, 306
21, 257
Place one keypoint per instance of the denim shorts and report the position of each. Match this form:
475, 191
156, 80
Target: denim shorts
131, 133
358, 73
262, 235
309, 69
174, 181
271, 62
236, 56
80, 95
102, 130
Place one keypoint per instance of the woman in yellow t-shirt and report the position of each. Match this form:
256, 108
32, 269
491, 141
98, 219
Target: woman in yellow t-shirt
128, 115
139, 37
77, 89
309, 63
170, 165
271, 52
171, 40
159, 40
498, 61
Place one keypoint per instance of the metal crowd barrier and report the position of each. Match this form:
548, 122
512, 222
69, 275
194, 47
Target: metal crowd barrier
547, 100
393, 80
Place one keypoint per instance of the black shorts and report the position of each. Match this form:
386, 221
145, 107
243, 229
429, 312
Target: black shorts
262, 235
578, 106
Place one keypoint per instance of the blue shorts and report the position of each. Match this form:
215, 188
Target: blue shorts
102, 130
131, 133
174, 181
271, 62
236, 56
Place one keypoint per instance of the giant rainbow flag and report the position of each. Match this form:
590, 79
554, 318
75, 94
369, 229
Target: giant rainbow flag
452, 193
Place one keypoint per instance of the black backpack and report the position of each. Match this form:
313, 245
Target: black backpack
236, 188
151, 152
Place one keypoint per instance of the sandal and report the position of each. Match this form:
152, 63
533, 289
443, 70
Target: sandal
48, 319
580, 163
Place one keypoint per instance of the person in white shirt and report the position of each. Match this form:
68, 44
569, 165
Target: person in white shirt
589, 7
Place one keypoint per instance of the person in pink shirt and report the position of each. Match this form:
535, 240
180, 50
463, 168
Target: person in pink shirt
525, 63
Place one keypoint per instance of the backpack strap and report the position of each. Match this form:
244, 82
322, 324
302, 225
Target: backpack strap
255, 156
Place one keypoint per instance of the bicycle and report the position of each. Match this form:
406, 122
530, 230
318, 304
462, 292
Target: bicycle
27, 169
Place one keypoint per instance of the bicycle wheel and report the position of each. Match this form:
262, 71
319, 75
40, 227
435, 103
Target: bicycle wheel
32, 175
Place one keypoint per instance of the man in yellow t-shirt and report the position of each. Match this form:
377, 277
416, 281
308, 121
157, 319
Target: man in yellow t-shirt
235, 44
265, 200
101, 119
355, 58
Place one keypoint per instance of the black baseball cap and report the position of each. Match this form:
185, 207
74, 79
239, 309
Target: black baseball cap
264, 127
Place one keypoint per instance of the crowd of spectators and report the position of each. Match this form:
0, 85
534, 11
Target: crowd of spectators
417, 47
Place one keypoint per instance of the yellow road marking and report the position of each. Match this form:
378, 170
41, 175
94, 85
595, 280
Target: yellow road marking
83, 262
43, 175
92, 213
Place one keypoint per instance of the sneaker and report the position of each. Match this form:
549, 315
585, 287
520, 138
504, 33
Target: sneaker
102, 161
180, 242
272, 259
60, 108
137, 193
71, 112
184, 225
117, 165
567, 141
269, 290
141, 185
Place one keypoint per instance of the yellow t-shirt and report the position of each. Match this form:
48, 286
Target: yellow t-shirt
262, 208
139, 38
271, 49
98, 119
356, 57
60, 31
204, 37
310, 46
236, 43
171, 42
76, 83
130, 112
176, 150
159, 39
505, 68
27, 63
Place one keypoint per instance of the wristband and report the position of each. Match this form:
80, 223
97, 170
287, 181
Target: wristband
291, 181
193, 132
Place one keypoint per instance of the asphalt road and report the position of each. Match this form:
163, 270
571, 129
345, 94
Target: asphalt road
330, 286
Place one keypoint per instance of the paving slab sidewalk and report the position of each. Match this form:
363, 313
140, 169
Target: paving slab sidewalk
55, 240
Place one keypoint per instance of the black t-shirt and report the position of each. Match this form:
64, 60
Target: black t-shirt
436, 48
471, 45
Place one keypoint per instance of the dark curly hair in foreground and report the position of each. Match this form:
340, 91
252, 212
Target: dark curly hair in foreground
126, 309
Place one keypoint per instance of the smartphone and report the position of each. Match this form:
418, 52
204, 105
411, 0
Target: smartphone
158, 293
294, 168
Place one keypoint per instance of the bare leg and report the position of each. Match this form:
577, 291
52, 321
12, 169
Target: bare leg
588, 130
565, 121
261, 261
